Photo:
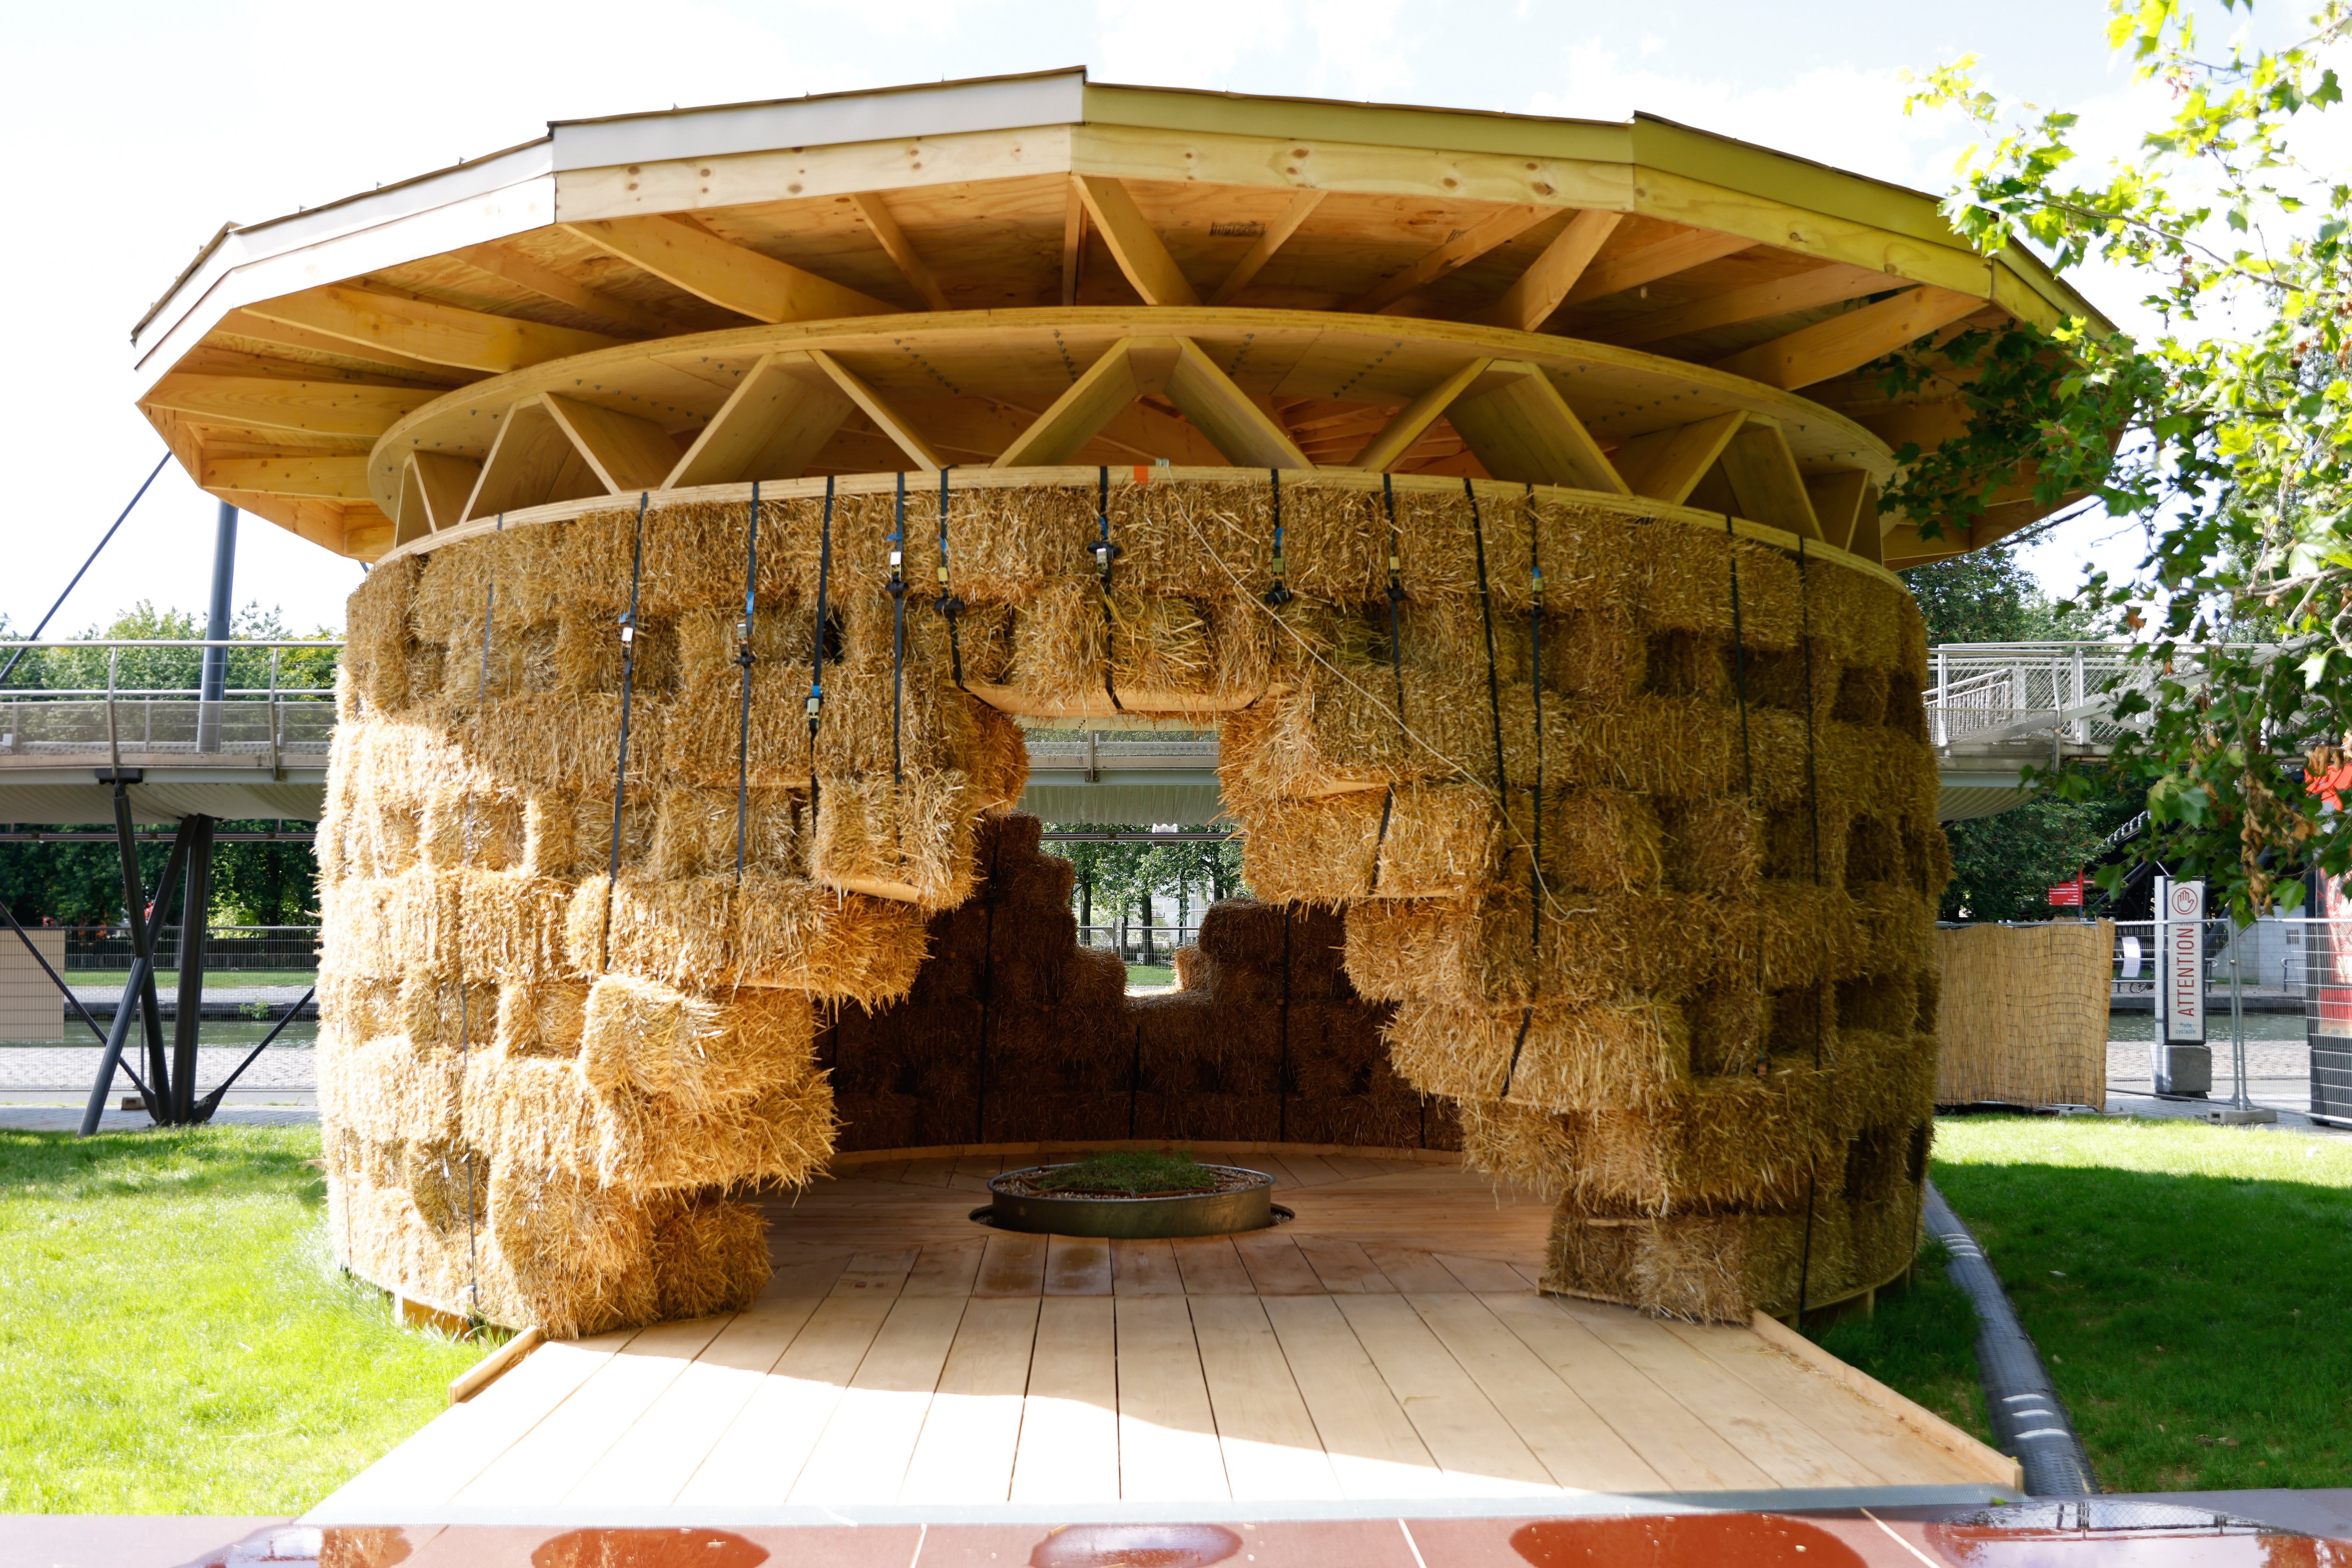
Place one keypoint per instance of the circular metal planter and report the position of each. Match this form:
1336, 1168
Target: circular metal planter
1249, 1208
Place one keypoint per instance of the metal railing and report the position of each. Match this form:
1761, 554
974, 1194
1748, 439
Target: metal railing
1114, 750
1990, 694
225, 947
1139, 944
269, 726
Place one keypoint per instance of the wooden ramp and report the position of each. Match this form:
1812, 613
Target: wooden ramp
1387, 1344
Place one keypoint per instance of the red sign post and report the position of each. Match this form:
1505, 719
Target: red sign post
2067, 894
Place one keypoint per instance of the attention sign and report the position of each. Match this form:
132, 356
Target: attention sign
2184, 961
2067, 894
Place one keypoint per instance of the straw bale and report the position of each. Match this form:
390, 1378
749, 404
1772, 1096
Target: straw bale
840, 946
389, 1091
379, 643
1195, 970
434, 1011
459, 829
1494, 952
542, 1019
559, 741
696, 832
513, 924
1600, 1056
709, 1256
1743, 1142
643, 1035
1698, 1268
911, 840
1207, 1117
707, 739
1371, 1121
1438, 843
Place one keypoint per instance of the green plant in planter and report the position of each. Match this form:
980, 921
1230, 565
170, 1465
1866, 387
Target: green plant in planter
1131, 1172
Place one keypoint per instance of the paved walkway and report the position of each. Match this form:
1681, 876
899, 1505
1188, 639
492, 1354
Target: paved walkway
68, 1118
41, 1068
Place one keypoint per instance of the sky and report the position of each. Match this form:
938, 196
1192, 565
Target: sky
140, 128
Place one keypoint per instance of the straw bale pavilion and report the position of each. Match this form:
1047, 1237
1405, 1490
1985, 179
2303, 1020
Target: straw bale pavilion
737, 482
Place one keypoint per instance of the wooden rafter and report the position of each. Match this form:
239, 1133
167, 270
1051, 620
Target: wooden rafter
1460, 248
1529, 302
1807, 290
271, 402
1134, 244
1667, 464
434, 489
342, 477
1634, 269
1838, 500
734, 277
426, 330
783, 411
1412, 420
531, 462
1764, 477
513, 266
378, 360
625, 453
900, 249
1276, 234
875, 407
1143, 367
1073, 243
1844, 342
1521, 429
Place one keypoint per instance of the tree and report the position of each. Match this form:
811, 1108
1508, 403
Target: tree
2225, 429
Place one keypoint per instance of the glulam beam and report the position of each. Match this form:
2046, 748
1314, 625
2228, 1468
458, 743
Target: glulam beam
1634, 269
625, 453
772, 427
1134, 244
1848, 342
1175, 368
1807, 290
1277, 233
326, 476
1521, 429
1765, 479
512, 266
272, 403
1530, 301
900, 248
426, 330
1460, 250
1667, 464
735, 277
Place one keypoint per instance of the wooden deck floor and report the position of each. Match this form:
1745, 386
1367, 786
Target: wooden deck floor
1386, 1343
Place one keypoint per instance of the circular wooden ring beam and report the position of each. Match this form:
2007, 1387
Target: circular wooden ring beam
1197, 388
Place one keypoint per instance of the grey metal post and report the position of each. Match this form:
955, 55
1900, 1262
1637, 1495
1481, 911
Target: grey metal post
2238, 1028
195, 905
217, 630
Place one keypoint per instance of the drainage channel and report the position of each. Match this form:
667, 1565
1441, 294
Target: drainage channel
2029, 1420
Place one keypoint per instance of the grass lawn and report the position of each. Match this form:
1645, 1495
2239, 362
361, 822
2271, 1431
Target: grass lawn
166, 980
176, 1339
1150, 975
2188, 1285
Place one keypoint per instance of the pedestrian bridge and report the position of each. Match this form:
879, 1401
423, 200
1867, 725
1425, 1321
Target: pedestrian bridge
1993, 710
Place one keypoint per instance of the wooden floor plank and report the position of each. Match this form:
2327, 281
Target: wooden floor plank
863, 1456
1577, 1447
1310, 1170
973, 1428
928, 1173
1271, 1446
789, 1282
1274, 1264
760, 1456
1469, 1438
948, 1269
986, 1165
463, 1441
875, 1274
1166, 1435
1069, 1424
1690, 1454
1852, 1424
652, 1460
1343, 1267
1013, 1265
1145, 1269
1273, 1165
1077, 1266
545, 1464
1409, 1269
1373, 1448
1486, 1274
1353, 1167
1211, 1268
1776, 1442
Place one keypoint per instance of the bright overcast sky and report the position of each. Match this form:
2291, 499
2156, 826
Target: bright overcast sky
140, 127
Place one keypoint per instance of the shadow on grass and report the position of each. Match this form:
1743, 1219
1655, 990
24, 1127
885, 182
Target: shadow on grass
193, 1162
2198, 1326
1921, 1341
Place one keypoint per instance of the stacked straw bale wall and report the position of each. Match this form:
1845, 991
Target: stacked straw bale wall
2024, 1018
1653, 911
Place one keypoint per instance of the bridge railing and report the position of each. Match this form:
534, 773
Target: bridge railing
1988, 693
270, 724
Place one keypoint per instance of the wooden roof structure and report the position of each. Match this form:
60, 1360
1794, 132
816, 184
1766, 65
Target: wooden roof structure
1038, 270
